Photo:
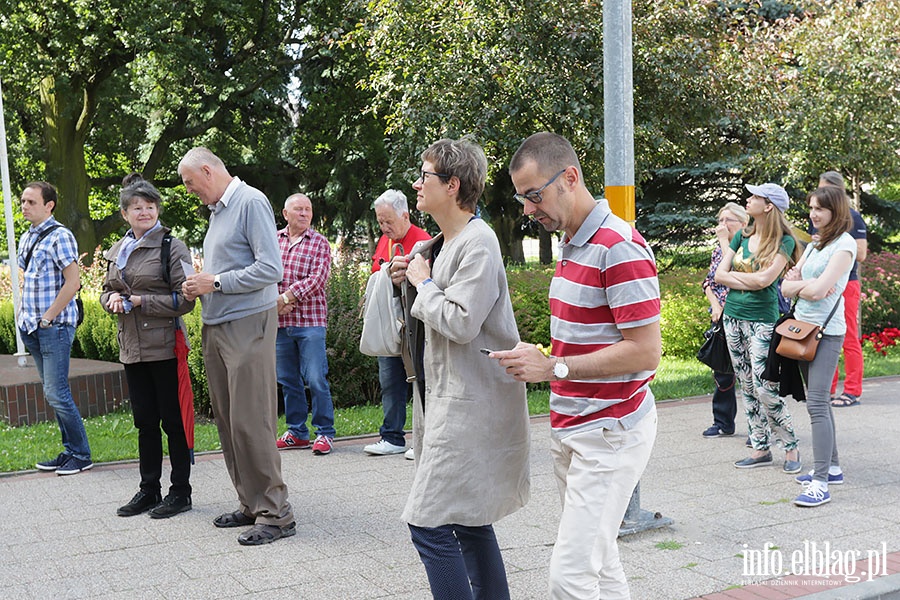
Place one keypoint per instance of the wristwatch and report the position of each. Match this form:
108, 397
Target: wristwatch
217, 284
560, 369
44, 324
285, 298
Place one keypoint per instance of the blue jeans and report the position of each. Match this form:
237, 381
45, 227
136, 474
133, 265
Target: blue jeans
51, 348
394, 391
301, 360
462, 562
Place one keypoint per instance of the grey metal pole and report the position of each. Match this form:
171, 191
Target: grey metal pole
618, 124
10, 230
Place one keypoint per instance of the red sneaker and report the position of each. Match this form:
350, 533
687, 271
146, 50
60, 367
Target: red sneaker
291, 442
322, 445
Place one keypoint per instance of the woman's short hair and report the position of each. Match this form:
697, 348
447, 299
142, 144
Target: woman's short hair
737, 210
135, 186
463, 159
395, 199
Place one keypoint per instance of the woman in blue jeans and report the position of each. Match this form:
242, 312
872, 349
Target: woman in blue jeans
818, 283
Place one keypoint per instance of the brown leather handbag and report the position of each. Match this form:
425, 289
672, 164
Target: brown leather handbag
799, 339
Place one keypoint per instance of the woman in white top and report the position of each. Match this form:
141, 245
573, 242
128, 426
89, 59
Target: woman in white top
818, 282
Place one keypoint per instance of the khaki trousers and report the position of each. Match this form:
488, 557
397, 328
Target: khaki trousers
240, 365
596, 472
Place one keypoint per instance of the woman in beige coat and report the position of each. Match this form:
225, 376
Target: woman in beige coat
470, 419
149, 308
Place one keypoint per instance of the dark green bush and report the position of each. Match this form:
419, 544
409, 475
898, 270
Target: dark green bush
880, 292
353, 376
528, 290
683, 312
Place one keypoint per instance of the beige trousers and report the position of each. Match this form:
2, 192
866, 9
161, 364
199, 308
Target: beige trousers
240, 365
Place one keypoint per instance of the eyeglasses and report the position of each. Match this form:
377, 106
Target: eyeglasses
535, 196
424, 174
727, 220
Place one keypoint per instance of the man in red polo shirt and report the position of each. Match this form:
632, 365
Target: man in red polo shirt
606, 345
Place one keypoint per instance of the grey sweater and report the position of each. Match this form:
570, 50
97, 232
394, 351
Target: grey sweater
242, 249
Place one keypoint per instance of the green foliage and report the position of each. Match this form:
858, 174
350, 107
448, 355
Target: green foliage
353, 376
684, 317
528, 288
880, 292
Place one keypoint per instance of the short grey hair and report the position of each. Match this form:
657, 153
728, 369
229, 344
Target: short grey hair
135, 186
395, 199
199, 156
833, 178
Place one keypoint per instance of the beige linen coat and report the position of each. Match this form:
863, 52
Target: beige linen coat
470, 426
147, 333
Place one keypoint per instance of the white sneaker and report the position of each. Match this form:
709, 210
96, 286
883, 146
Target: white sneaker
410, 454
383, 447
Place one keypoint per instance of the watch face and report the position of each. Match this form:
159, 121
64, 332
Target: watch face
561, 370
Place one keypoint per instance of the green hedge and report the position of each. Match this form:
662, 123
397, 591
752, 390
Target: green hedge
354, 376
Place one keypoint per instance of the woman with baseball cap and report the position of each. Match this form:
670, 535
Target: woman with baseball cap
751, 267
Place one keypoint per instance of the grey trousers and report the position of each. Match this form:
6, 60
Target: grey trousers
817, 375
240, 365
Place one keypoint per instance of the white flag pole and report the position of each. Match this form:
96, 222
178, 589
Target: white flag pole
10, 230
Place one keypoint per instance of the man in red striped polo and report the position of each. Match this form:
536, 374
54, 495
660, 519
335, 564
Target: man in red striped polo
606, 345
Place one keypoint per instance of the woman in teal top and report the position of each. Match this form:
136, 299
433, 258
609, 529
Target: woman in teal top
751, 267
818, 283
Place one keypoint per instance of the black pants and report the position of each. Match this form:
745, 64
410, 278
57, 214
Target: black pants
153, 387
724, 402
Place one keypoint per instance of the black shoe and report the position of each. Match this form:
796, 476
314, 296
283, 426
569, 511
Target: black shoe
142, 502
171, 506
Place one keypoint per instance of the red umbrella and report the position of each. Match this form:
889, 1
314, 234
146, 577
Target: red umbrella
185, 393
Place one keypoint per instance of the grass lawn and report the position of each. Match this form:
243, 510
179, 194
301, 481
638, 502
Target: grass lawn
114, 438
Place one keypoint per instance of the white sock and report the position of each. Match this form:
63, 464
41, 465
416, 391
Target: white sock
834, 470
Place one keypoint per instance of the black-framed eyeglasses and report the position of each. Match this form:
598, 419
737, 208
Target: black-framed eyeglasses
535, 196
423, 174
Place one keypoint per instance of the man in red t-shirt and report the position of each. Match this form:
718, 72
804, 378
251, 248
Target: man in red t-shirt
392, 212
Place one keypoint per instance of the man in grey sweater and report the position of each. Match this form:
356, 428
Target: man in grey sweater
238, 290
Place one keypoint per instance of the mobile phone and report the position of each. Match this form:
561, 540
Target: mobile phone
485, 351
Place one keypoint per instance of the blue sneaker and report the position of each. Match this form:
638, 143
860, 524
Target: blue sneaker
807, 478
74, 465
714, 431
813, 496
54, 463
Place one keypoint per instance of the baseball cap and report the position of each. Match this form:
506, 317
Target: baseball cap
774, 193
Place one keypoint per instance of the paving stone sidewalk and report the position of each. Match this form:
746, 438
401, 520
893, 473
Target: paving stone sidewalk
61, 539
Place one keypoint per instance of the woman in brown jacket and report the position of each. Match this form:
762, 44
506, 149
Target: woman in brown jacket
149, 308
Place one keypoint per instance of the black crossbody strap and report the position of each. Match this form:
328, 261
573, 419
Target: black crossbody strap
40, 236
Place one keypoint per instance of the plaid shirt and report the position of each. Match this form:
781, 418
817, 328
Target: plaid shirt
44, 278
307, 264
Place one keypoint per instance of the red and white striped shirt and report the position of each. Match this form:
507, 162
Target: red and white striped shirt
605, 281
307, 265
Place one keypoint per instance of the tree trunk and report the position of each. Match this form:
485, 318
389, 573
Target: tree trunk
65, 161
545, 252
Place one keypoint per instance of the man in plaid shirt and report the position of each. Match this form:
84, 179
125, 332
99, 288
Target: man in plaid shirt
48, 254
303, 315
